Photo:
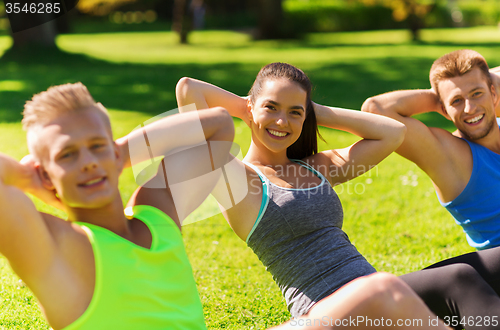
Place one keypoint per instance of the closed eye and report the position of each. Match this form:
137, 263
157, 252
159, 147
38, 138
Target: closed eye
66, 154
456, 102
97, 146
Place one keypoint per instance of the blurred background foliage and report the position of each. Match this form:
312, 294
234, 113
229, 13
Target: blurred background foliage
263, 19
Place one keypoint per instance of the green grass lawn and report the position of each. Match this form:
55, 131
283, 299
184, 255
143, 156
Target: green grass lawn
391, 213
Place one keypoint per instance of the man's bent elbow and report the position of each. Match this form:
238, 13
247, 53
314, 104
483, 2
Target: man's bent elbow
182, 87
401, 132
371, 105
226, 124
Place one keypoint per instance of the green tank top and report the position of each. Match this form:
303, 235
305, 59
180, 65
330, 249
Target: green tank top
139, 288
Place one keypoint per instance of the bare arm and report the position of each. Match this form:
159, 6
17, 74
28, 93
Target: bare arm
405, 103
380, 136
231, 190
436, 151
25, 239
420, 140
175, 132
205, 95
495, 76
195, 146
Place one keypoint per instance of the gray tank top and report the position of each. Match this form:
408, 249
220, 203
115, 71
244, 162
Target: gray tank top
298, 237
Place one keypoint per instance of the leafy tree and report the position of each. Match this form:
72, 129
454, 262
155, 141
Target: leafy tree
411, 11
182, 20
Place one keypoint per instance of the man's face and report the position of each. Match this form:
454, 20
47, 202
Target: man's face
470, 103
80, 160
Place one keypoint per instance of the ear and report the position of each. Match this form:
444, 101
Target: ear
249, 107
249, 111
118, 156
44, 177
494, 95
443, 111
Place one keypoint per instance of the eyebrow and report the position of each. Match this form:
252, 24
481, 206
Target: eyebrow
295, 107
94, 139
475, 89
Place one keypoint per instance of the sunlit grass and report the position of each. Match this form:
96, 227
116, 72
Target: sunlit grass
391, 213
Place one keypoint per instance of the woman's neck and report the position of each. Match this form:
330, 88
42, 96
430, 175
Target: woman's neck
259, 155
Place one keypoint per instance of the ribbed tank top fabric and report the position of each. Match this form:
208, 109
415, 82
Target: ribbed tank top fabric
299, 239
476, 208
140, 288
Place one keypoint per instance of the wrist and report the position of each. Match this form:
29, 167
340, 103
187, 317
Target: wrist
14, 173
122, 145
21, 178
25, 173
319, 112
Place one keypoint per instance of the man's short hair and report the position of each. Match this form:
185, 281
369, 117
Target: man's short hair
55, 102
458, 63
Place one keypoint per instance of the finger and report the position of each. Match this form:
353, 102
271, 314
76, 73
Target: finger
28, 159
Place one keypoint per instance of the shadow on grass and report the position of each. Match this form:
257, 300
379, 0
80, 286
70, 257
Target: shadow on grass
145, 88
376, 42
150, 88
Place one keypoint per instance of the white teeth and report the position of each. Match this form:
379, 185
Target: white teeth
276, 133
475, 119
89, 183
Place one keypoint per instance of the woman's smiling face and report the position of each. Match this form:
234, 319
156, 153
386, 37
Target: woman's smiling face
278, 114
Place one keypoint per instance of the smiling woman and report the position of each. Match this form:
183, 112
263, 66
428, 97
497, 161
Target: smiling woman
273, 86
291, 217
279, 114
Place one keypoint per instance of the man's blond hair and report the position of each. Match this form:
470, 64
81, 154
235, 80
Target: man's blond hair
456, 64
56, 102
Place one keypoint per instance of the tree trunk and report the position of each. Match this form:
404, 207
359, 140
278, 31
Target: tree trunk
270, 19
40, 35
63, 23
181, 20
32, 23
416, 25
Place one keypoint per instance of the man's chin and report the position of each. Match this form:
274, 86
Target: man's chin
478, 134
474, 136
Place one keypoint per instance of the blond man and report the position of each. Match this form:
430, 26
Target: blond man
102, 269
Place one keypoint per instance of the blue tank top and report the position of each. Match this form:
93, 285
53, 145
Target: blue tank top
298, 237
477, 208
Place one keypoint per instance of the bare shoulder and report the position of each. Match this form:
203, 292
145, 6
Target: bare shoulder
326, 162
241, 203
25, 239
71, 247
159, 198
433, 149
65, 233
451, 143
450, 171
65, 286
